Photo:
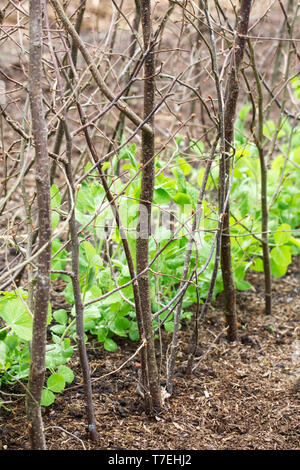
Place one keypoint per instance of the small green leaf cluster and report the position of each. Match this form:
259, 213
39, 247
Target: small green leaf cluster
56, 383
16, 335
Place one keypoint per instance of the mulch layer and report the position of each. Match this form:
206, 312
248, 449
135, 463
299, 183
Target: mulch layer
242, 396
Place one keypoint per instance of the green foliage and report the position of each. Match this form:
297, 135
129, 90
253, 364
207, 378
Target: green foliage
296, 86
176, 189
56, 383
16, 313
15, 338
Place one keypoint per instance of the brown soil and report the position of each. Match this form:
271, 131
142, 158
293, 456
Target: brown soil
241, 396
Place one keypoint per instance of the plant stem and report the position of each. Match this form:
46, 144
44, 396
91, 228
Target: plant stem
152, 388
39, 129
79, 308
231, 97
258, 138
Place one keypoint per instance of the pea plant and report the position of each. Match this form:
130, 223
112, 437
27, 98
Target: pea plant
140, 179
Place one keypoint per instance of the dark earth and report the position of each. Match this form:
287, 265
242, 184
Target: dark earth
243, 396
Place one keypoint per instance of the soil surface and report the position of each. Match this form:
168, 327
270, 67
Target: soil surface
241, 396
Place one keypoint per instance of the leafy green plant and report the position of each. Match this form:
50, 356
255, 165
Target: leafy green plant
178, 187
15, 337
176, 190
56, 383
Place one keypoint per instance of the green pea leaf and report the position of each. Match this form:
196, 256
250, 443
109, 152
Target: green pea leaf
17, 317
47, 397
110, 345
185, 167
61, 316
90, 278
122, 323
241, 284
89, 250
58, 329
54, 219
56, 383
134, 332
55, 196
257, 265
169, 326
161, 196
280, 258
181, 181
66, 373
283, 235
102, 333
295, 241
281, 255
182, 199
